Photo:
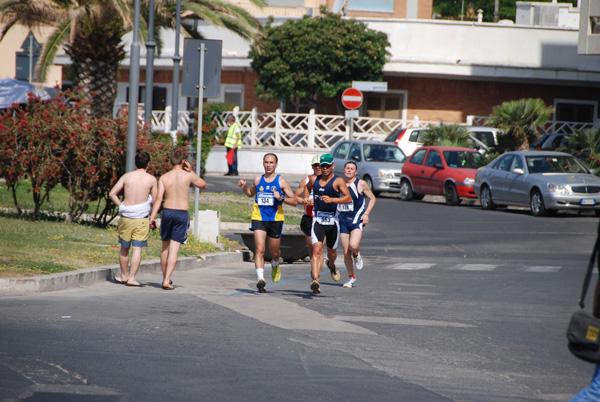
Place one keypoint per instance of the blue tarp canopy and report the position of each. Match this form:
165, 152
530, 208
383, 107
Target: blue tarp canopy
15, 91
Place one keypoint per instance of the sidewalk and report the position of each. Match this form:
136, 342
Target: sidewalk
64, 280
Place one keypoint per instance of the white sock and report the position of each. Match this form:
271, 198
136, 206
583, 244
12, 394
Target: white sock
260, 272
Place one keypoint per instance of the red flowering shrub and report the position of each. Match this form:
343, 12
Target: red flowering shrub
11, 170
96, 159
33, 147
51, 143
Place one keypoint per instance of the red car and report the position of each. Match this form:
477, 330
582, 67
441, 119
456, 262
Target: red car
448, 171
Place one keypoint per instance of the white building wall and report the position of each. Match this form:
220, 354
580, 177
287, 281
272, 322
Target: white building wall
448, 48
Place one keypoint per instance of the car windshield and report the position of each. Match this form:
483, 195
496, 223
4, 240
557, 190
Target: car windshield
383, 153
554, 164
486, 137
393, 135
464, 159
540, 140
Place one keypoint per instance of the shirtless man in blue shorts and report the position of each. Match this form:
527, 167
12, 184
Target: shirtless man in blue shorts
270, 191
174, 188
353, 216
328, 191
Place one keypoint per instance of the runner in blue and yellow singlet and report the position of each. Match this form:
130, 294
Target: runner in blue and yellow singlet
328, 191
270, 191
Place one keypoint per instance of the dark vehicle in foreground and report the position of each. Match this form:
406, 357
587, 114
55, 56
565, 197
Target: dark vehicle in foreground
378, 163
544, 181
448, 171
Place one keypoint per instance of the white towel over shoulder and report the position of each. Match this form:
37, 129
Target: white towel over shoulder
136, 211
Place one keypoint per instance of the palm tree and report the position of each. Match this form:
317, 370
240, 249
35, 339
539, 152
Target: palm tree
453, 135
519, 119
91, 33
585, 145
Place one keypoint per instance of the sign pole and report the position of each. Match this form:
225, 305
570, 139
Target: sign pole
201, 49
352, 98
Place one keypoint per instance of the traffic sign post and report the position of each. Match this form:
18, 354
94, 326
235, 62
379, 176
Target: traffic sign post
352, 98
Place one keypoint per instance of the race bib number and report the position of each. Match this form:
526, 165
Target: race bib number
346, 207
325, 218
265, 199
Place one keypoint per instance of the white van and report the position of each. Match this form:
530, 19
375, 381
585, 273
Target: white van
409, 139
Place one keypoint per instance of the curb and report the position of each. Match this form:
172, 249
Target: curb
64, 280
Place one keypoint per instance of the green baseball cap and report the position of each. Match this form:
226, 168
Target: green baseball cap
326, 159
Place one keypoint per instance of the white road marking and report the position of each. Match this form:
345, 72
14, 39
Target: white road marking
542, 268
411, 266
403, 321
473, 267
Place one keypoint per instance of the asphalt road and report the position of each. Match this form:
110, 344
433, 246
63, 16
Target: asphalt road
454, 304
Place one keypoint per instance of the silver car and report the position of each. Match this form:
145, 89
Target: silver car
378, 163
545, 181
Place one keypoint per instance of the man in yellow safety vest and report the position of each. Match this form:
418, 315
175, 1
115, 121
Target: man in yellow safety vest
232, 144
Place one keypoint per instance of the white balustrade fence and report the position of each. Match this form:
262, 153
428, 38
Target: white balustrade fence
309, 131
161, 120
550, 127
317, 131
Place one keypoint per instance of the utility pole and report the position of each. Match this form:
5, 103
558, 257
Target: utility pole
496, 10
134, 86
150, 45
176, 61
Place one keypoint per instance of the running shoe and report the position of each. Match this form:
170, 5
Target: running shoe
335, 274
358, 262
350, 283
261, 285
275, 272
315, 287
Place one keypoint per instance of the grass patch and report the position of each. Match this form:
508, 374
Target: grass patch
233, 207
30, 248
58, 202
46, 246
238, 207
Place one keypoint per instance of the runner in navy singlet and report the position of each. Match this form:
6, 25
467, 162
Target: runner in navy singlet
307, 196
328, 191
353, 217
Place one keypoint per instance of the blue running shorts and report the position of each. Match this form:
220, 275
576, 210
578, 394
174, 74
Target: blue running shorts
347, 225
174, 225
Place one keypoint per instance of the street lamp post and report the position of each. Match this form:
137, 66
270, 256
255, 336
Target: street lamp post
176, 61
134, 78
150, 45
31, 39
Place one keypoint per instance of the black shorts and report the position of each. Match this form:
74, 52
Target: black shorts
273, 228
330, 233
306, 224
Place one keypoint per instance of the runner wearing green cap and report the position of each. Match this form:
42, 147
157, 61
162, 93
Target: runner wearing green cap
328, 191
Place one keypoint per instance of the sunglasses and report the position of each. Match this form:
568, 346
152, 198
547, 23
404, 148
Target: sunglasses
323, 165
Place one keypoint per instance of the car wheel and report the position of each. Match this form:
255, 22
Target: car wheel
406, 193
369, 182
451, 195
537, 204
486, 198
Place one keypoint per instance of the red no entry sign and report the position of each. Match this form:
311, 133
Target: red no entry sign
352, 98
